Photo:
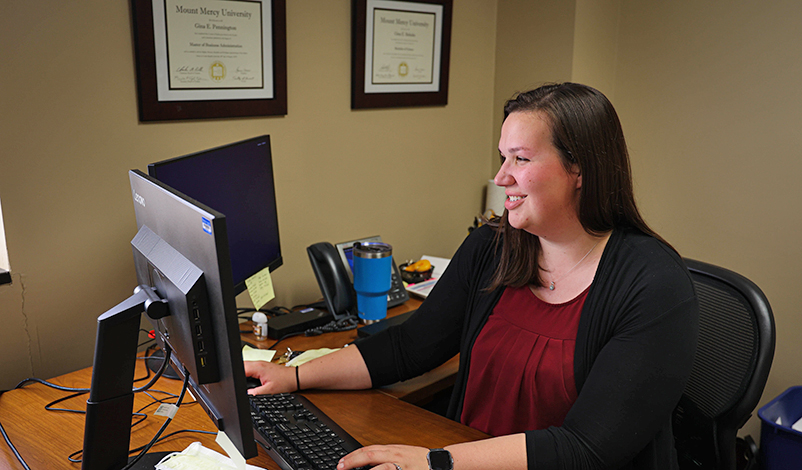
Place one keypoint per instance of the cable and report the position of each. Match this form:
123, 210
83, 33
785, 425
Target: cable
273, 311
164, 426
51, 385
343, 324
290, 335
48, 407
81, 391
85, 390
242, 310
149, 340
13, 449
73, 457
173, 434
277, 311
158, 374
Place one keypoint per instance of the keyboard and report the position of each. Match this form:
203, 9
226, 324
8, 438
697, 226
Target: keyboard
296, 434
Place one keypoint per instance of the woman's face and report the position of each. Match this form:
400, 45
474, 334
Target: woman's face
541, 195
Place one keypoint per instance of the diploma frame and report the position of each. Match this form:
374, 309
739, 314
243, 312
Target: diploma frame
151, 109
398, 95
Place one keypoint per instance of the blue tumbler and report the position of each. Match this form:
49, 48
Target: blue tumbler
372, 278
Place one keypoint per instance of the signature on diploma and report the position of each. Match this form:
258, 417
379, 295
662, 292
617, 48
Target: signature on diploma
242, 71
244, 79
384, 68
184, 69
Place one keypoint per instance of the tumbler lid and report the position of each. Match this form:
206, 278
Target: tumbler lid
372, 250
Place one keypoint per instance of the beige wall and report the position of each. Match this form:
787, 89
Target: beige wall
70, 132
596, 44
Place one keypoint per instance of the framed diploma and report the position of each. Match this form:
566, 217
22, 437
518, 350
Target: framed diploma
201, 59
400, 53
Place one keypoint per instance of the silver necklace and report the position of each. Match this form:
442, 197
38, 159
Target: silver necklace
552, 285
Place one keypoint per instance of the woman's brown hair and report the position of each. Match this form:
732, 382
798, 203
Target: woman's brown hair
587, 134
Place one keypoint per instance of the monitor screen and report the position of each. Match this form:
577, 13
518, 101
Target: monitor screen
182, 261
237, 180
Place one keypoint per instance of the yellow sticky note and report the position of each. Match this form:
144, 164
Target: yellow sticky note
260, 288
251, 354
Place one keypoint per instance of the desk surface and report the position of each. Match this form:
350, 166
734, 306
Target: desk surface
417, 391
46, 438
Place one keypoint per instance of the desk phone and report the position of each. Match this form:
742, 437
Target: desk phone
333, 267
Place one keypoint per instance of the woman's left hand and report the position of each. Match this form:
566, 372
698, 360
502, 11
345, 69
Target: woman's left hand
392, 457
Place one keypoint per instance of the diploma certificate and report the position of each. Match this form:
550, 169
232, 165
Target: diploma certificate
213, 49
402, 47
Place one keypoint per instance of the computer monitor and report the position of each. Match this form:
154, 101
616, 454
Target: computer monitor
185, 284
237, 180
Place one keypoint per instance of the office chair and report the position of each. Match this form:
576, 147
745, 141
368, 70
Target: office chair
733, 358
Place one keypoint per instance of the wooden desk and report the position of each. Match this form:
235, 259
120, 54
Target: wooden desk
45, 438
417, 391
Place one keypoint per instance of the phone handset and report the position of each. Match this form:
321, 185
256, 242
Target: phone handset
335, 285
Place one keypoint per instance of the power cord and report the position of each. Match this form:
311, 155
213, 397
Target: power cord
80, 391
51, 385
13, 449
244, 313
343, 324
166, 360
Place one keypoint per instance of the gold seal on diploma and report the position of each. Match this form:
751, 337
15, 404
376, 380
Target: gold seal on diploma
403, 69
217, 71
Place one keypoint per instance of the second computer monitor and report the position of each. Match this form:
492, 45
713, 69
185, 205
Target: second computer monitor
237, 180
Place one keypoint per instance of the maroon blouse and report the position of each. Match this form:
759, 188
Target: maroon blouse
521, 374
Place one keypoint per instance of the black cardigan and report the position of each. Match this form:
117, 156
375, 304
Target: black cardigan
635, 345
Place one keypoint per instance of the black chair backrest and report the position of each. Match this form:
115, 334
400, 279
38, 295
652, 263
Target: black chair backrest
733, 358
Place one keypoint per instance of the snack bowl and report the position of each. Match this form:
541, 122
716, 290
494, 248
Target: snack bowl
413, 277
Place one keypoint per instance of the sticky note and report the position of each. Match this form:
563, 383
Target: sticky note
260, 288
308, 355
251, 354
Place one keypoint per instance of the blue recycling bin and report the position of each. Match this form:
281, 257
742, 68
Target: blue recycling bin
781, 446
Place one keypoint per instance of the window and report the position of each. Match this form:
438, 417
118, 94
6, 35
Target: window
5, 274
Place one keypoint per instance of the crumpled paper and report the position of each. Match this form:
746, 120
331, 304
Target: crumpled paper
197, 457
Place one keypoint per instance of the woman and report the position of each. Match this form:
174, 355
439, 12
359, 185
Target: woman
575, 323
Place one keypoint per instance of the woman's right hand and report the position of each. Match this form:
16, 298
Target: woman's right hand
274, 378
